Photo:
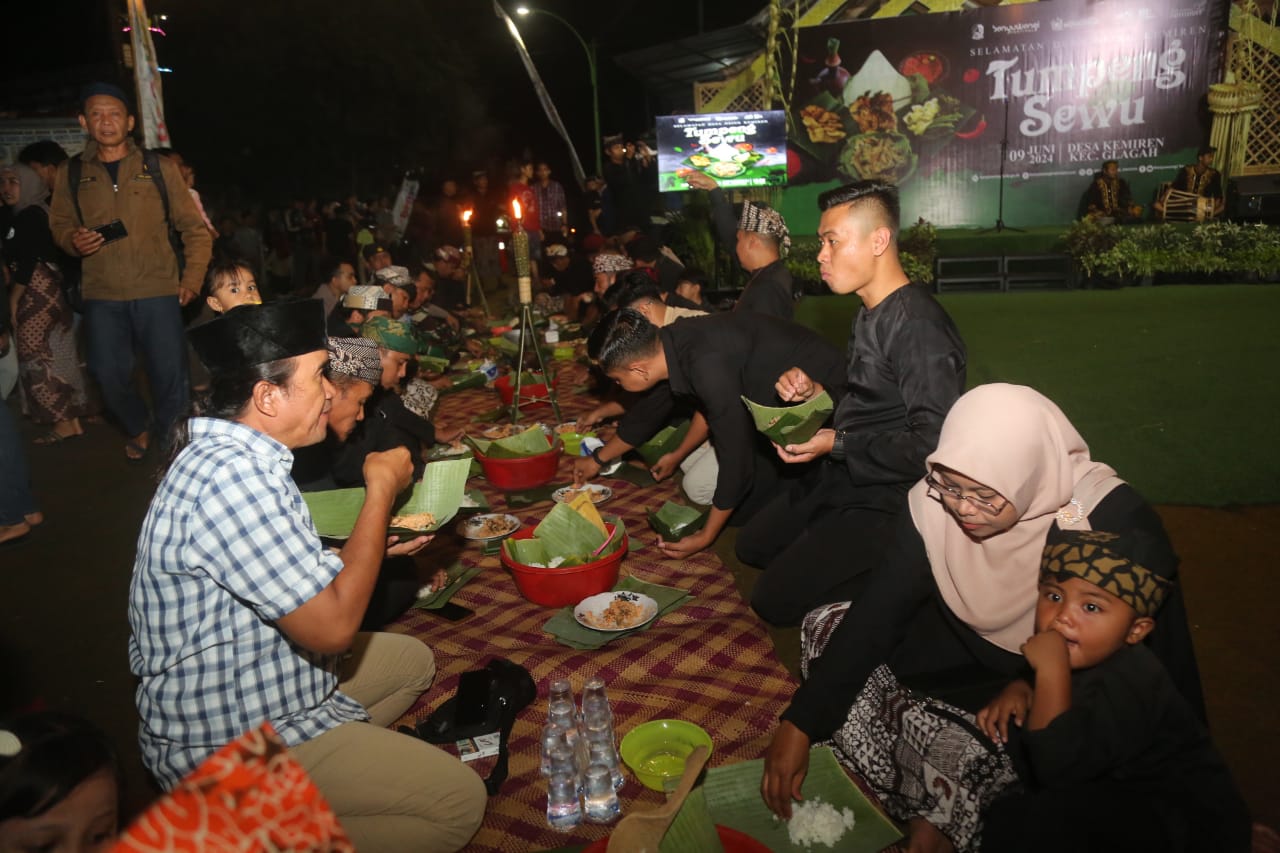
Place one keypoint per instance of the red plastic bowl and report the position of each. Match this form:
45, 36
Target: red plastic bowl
558, 587
532, 394
732, 840
529, 472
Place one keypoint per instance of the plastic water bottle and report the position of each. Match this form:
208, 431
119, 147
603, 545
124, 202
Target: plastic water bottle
602, 751
599, 798
553, 738
562, 714
564, 811
595, 698
559, 691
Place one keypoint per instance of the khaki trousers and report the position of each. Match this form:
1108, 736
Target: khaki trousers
701, 470
393, 793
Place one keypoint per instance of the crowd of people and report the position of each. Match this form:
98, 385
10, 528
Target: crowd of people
980, 598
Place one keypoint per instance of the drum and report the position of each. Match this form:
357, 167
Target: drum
1182, 206
1204, 208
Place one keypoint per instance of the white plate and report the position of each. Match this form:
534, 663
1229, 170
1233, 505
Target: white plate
474, 527
446, 451
599, 494
597, 604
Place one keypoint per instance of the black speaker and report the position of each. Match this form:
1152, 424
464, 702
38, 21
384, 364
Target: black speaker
1256, 197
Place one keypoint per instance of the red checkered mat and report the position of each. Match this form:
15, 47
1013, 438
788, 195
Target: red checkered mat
709, 662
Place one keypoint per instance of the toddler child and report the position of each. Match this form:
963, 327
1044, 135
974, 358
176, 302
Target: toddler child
1110, 755
228, 284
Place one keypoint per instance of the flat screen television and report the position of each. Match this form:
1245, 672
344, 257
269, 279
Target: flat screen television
736, 149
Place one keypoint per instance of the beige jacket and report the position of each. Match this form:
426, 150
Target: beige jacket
143, 264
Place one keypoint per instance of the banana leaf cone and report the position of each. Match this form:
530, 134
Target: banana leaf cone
663, 442
791, 424
675, 521
566, 537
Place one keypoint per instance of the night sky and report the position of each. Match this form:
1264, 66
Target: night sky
280, 97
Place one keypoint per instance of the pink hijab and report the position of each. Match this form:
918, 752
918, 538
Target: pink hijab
1016, 441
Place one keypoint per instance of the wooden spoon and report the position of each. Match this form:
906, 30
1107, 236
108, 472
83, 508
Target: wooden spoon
642, 833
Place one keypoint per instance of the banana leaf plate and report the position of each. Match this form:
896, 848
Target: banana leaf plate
791, 424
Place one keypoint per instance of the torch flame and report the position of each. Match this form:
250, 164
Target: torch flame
466, 216
515, 207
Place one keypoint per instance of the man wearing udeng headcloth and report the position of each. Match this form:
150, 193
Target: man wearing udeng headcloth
239, 614
760, 240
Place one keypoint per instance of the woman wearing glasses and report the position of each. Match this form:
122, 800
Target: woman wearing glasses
955, 598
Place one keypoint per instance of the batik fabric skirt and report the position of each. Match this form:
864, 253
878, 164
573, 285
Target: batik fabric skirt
54, 384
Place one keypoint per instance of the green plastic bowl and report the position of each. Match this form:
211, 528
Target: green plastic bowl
573, 441
656, 751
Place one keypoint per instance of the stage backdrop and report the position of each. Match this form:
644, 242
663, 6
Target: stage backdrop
924, 101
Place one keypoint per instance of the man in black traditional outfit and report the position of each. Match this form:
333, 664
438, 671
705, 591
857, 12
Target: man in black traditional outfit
711, 362
1109, 197
906, 368
761, 240
1199, 179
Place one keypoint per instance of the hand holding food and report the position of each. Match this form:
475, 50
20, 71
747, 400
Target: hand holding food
584, 468
796, 386
665, 466
686, 547
819, 445
392, 469
786, 763
407, 547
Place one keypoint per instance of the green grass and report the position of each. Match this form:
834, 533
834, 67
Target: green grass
1176, 387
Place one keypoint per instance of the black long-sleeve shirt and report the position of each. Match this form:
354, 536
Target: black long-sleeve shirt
906, 369
626, 183
770, 290
1128, 722
28, 242
715, 361
901, 600
387, 425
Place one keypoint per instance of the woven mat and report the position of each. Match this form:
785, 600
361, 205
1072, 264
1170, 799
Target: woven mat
709, 662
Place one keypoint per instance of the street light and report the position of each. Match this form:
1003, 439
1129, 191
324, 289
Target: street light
590, 50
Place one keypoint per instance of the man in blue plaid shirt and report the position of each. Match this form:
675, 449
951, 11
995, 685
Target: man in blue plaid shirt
240, 615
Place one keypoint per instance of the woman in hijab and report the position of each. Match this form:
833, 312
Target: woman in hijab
53, 380
955, 599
